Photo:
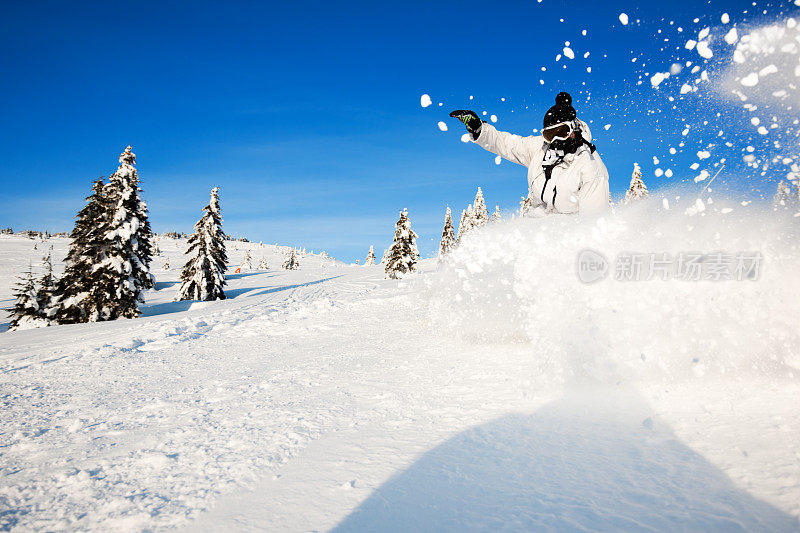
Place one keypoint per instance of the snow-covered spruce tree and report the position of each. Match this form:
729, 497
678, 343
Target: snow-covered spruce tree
385, 256
448, 241
480, 215
496, 215
26, 313
125, 264
166, 265
79, 293
461, 224
203, 276
403, 254
370, 259
637, 189
291, 262
47, 286
526, 205
246, 262
783, 196
262, 265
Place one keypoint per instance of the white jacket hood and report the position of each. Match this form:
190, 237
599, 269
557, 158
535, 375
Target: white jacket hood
586, 133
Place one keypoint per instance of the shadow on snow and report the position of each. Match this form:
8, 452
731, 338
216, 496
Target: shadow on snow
184, 305
289, 287
569, 466
246, 274
167, 307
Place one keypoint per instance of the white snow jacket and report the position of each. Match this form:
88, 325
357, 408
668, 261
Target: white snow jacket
578, 184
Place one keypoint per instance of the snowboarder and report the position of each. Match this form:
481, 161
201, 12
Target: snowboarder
565, 172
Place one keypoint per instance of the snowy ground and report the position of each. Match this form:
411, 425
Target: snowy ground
494, 392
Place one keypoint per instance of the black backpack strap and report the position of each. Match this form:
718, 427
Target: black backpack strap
548, 173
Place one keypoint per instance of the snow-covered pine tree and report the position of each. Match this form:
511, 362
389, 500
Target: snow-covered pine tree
203, 276
462, 226
795, 192
470, 220
291, 262
526, 205
370, 260
262, 265
385, 256
448, 241
79, 293
166, 265
26, 312
47, 286
246, 262
403, 254
496, 215
637, 189
480, 215
783, 196
125, 265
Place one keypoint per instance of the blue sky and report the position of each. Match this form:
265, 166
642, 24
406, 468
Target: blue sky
307, 114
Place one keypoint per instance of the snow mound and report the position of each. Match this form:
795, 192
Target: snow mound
517, 281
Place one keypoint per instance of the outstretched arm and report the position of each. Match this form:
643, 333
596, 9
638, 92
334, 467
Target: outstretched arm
515, 148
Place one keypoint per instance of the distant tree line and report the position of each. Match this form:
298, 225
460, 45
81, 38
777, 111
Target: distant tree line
33, 234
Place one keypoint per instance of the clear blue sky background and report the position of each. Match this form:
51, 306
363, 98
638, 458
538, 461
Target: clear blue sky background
307, 115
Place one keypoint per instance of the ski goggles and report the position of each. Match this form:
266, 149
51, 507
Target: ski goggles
558, 132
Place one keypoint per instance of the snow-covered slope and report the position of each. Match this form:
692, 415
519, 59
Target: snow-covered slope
19, 253
493, 391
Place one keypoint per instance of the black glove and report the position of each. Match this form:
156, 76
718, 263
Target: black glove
470, 120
